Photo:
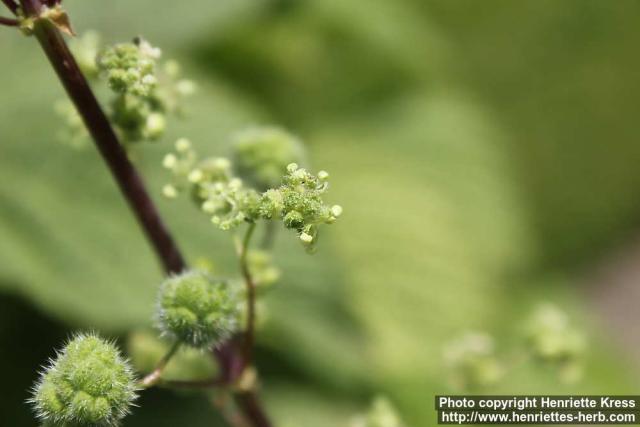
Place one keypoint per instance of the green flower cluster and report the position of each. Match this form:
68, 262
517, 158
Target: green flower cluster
141, 103
88, 384
197, 309
130, 67
297, 202
145, 90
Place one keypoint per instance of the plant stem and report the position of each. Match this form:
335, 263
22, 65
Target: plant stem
243, 249
9, 22
154, 377
129, 181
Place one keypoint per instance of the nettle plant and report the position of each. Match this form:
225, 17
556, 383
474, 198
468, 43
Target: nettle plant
89, 382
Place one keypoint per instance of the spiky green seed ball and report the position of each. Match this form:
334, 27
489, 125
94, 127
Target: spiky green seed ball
88, 384
197, 309
261, 155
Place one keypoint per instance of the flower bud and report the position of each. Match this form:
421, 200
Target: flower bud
88, 384
197, 309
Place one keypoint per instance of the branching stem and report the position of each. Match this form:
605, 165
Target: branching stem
154, 377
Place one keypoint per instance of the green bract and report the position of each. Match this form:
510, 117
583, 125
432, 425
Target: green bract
197, 309
88, 384
261, 155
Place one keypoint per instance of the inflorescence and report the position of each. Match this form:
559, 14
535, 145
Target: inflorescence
297, 201
145, 89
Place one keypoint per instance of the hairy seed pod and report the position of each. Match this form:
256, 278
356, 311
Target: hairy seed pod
197, 309
88, 384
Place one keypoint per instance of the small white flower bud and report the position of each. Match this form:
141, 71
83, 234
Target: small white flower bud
306, 238
169, 191
182, 145
292, 167
336, 210
155, 125
209, 207
169, 161
323, 175
195, 176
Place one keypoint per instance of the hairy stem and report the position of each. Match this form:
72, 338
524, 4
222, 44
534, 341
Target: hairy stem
243, 249
154, 377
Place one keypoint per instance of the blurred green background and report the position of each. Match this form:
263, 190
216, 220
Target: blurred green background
485, 153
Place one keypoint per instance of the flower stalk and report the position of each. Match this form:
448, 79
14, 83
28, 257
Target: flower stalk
155, 376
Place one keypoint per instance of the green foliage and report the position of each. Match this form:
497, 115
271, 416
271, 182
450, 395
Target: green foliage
88, 384
197, 309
